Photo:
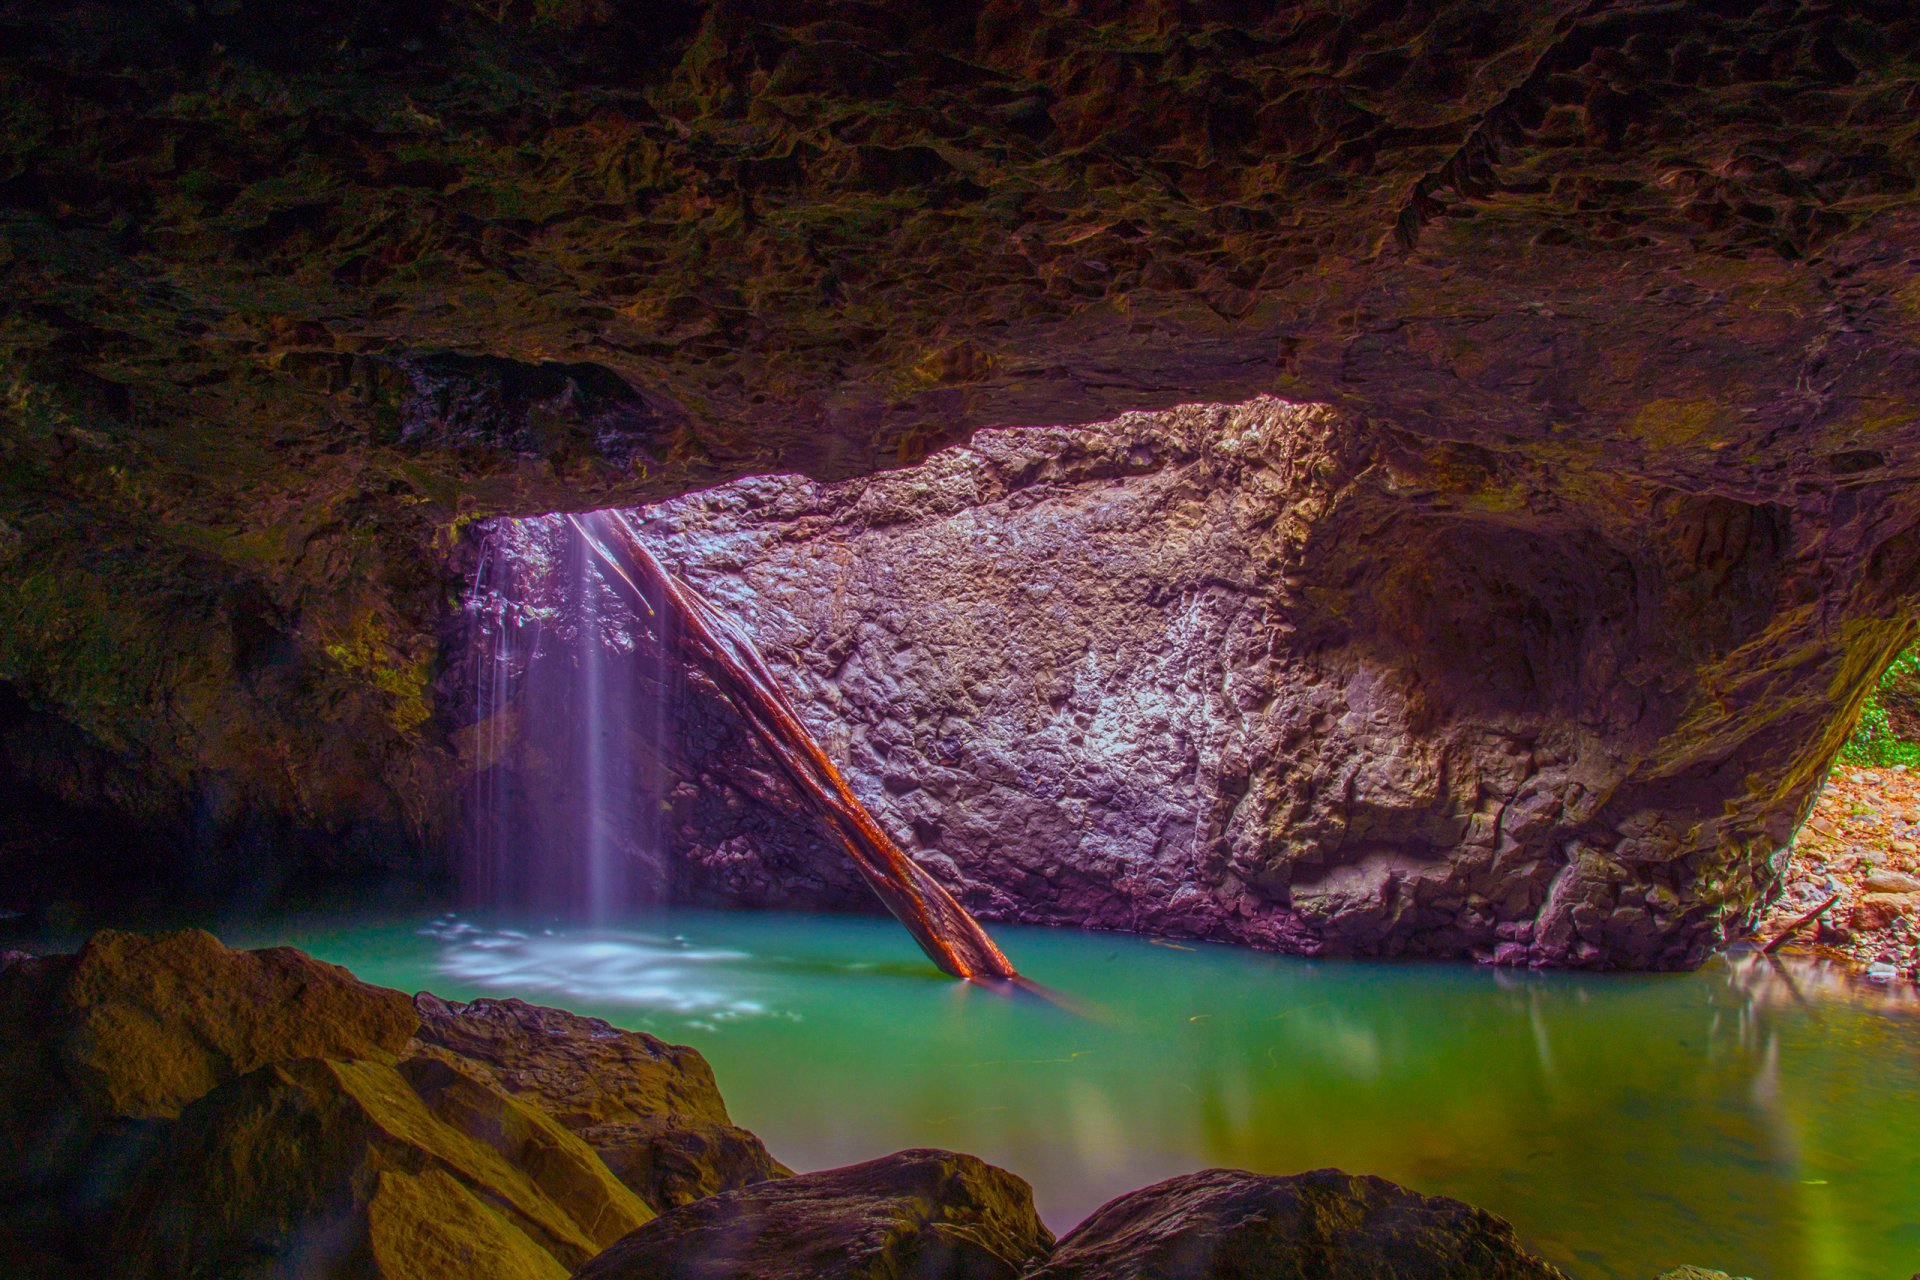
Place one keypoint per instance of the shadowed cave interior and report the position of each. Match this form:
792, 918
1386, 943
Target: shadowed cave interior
1373, 548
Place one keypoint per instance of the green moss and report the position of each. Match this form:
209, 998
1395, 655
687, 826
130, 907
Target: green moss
1877, 739
368, 655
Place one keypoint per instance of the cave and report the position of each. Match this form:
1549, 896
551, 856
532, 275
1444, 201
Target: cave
1352, 571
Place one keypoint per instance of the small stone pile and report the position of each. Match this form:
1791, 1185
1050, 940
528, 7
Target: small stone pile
1862, 842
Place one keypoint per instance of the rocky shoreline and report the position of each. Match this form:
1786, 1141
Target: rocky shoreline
1859, 851
171, 1107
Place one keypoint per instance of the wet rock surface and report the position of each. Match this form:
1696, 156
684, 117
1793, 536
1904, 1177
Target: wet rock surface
1223, 1224
287, 297
924, 1214
1267, 674
175, 1108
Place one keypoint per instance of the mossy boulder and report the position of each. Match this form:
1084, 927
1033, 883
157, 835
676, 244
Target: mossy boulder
173, 1107
318, 1168
651, 1109
1224, 1224
134, 1027
925, 1214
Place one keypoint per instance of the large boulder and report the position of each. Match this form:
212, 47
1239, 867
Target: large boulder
913, 1215
169, 1106
1268, 674
134, 1027
1223, 1224
320, 1169
649, 1108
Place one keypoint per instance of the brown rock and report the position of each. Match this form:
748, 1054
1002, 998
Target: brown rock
1878, 910
651, 1109
1222, 1224
929, 1215
582, 1071
1885, 881
152, 1022
670, 1160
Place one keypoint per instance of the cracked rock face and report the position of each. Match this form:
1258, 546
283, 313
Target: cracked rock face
1274, 675
291, 294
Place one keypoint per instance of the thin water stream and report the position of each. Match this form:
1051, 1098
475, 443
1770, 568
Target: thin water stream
1761, 1119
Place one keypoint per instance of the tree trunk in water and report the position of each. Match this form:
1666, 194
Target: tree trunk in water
949, 935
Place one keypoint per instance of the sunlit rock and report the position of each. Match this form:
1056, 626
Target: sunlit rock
1269, 674
134, 1027
649, 1109
314, 1168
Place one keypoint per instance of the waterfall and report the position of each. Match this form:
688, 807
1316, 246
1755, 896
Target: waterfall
563, 752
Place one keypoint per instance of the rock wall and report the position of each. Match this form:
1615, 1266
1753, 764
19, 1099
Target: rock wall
1277, 675
291, 295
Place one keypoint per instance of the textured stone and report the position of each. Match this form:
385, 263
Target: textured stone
930, 1215
288, 296
1267, 674
312, 1168
582, 1071
151, 1022
1878, 910
650, 1109
1886, 881
1222, 1224
169, 1107
134, 1027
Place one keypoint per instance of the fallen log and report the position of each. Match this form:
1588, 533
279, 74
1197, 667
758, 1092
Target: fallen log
1799, 923
945, 930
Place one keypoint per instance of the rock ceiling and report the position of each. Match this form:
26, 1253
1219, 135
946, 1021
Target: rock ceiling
288, 293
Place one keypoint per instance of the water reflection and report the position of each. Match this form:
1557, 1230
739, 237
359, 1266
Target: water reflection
1762, 1115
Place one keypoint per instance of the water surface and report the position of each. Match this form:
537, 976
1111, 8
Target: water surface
1748, 1117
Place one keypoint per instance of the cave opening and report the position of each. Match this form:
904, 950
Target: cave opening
1372, 551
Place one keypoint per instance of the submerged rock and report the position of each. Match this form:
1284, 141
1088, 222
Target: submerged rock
1223, 1224
924, 1214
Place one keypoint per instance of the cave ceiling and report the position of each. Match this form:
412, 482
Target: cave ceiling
263, 261
290, 293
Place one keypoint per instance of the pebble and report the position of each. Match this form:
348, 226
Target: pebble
1881, 971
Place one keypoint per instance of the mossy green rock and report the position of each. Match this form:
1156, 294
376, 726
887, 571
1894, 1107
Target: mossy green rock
650, 1109
924, 1214
153, 1022
134, 1027
317, 1168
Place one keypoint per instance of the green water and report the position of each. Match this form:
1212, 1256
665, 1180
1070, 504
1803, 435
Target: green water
1748, 1117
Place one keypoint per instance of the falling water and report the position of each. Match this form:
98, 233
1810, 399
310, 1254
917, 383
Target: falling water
563, 750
